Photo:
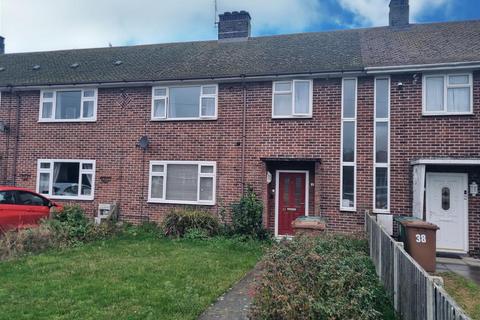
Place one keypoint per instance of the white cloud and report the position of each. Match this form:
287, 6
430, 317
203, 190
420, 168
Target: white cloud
34, 25
375, 12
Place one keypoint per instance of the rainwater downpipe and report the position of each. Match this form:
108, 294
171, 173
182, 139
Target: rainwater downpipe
17, 139
244, 132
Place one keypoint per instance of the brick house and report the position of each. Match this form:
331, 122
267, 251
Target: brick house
337, 123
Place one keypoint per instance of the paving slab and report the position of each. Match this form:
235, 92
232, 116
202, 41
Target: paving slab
466, 269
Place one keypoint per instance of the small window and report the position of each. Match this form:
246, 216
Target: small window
66, 179
447, 94
184, 102
68, 105
292, 99
445, 198
182, 182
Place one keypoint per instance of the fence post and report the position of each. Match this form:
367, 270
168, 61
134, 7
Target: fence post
396, 274
430, 300
380, 252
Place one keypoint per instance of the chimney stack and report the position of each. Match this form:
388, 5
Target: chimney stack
399, 13
2, 45
234, 25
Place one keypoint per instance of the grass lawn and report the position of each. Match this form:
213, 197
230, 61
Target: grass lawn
126, 278
465, 292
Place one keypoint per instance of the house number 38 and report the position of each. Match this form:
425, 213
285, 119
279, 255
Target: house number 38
421, 238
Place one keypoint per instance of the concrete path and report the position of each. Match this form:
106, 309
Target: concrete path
235, 303
466, 267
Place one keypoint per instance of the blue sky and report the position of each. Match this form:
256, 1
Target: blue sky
34, 25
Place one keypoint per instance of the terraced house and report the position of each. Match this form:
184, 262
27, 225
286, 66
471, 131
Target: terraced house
336, 123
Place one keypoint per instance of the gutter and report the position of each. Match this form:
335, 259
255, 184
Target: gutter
141, 83
423, 67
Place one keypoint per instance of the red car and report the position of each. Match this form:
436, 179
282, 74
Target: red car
22, 208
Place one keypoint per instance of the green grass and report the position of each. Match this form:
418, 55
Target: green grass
124, 279
465, 292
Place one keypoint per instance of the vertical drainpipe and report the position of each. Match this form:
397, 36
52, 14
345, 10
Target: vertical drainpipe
17, 138
244, 132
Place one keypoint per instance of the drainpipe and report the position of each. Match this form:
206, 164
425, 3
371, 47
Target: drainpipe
17, 139
244, 134
7, 140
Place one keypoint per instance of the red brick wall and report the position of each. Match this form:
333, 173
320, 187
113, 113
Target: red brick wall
122, 168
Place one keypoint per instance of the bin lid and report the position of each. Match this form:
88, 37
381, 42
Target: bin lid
403, 219
420, 224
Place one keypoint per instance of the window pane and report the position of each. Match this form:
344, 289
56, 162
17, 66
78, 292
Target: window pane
349, 88
86, 184
381, 188
182, 180
206, 189
381, 98
29, 199
381, 142
157, 168
445, 198
45, 165
283, 86
282, 104
44, 183
209, 90
348, 141
89, 93
68, 105
458, 79
434, 94
184, 102
65, 178
208, 107
302, 97
157, 188
88, 109
348, 182
159, 108
206, 169
47, 110
87, 166
48, 95
160, 92
6, 197
458, 100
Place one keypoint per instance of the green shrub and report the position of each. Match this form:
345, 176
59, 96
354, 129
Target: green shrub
178, 222
247, 215
330, 277
70, 225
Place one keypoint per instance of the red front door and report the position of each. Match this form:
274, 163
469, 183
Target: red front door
291, 200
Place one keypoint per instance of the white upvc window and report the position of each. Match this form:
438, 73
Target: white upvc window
381, 142
348, 156
198, 102
66, 179
68, 105
445, 94
292, 99
182, 182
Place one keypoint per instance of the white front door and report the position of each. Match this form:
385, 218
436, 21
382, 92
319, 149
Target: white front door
447, 207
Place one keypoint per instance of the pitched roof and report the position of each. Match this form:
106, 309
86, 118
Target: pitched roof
342, 50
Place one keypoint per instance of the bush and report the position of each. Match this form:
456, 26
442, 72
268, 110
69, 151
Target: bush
330, 277
178, 223
14, 243
247, 216
71, 225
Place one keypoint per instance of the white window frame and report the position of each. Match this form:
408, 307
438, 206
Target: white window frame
292, 92
381, 164
53, 100
167, 102
81, 172
354, 163
165, 173
446, 86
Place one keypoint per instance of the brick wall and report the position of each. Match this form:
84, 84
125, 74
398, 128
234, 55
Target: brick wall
122, 168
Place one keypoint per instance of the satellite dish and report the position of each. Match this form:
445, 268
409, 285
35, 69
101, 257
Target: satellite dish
143, 142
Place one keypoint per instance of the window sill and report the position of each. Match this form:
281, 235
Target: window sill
66, 120
348, 209
181, 202
447, 114
184, 119
379, 211
68, 198
291, 117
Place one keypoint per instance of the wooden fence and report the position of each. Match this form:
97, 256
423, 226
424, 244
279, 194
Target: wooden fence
415, 294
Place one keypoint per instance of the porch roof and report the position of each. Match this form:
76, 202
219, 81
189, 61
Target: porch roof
447, 161
277, 159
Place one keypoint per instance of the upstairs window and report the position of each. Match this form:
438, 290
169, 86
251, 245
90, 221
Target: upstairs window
292, 99
447, 94
68, 105
184, 103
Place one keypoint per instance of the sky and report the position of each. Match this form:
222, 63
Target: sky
41, 25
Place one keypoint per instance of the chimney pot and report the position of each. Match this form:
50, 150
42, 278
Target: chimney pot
234, 25
399, 13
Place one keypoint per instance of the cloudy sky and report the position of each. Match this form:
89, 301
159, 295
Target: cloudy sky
38, 25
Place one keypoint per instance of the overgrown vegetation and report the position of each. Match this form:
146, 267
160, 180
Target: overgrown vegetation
191, 222
465, 292
247, 215
330, 277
